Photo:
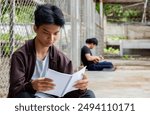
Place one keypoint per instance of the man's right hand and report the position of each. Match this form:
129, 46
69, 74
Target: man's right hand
97, 59
42, 84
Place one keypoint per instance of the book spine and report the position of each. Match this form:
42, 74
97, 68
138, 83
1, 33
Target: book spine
66, 87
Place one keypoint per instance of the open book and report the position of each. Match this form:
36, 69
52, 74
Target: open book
64, 82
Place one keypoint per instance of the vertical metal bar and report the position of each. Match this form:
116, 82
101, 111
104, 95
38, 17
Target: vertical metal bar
101, 40
85, 19
0, 10
75, 22
0, 22
82, 25
144, 12
101, 13
93, 18
88, 23
11, 25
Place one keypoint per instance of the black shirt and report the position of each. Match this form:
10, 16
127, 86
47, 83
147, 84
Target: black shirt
85, 50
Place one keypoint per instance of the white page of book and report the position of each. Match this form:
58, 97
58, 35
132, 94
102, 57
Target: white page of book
60, 80
75, 77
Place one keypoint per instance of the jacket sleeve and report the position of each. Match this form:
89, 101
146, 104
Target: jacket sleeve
18, 81
64, 64
68, 68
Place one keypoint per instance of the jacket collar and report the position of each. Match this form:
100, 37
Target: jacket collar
31, 48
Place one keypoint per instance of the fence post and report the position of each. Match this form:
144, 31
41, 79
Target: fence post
75, 26
0, 9
144, 12
101, 39
11, 26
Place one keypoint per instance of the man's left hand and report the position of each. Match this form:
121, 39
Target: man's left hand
82, 84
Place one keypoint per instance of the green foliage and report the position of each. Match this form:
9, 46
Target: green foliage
125, 57
5, 12
6, 36
5, 49
116, 13
111, 50
23, 14
5, 44
113, 10
97, 7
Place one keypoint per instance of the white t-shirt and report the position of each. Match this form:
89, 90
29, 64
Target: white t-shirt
40, 71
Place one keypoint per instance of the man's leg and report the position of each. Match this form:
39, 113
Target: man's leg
29, 95
100, 66
78, 94
95, 67
105, 64
25, 95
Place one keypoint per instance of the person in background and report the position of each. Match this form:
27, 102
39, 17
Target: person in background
94, 63
30, 62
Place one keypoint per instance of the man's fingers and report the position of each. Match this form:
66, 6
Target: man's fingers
84, 76
43, 84
81, 86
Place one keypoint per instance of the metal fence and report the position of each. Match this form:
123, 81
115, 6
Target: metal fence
16, 26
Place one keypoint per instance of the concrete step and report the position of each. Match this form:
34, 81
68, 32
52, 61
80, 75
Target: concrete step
121, 62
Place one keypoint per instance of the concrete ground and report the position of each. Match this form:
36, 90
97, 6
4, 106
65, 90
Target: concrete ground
131, 79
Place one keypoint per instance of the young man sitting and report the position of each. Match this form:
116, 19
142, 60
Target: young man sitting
94, 63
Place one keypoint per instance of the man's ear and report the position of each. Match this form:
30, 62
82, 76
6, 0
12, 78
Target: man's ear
35, 28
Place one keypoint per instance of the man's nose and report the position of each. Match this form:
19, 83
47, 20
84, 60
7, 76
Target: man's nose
51, 37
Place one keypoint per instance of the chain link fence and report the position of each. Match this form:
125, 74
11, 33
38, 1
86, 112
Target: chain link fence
16, 26
16, 20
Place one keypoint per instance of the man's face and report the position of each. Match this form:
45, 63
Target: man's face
92, 46
47, 34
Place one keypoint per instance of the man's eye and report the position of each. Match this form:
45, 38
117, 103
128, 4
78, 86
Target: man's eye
45, 33
56, 33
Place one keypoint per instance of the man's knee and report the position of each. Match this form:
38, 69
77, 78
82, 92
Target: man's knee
88, 94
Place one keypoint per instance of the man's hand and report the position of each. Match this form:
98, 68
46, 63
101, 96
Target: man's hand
42, 84
101, 57
82, 84
97, 59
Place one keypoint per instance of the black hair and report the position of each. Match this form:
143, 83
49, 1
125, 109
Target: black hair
92, 40
48, 14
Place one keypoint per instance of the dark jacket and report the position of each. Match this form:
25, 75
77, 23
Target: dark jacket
23, 63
